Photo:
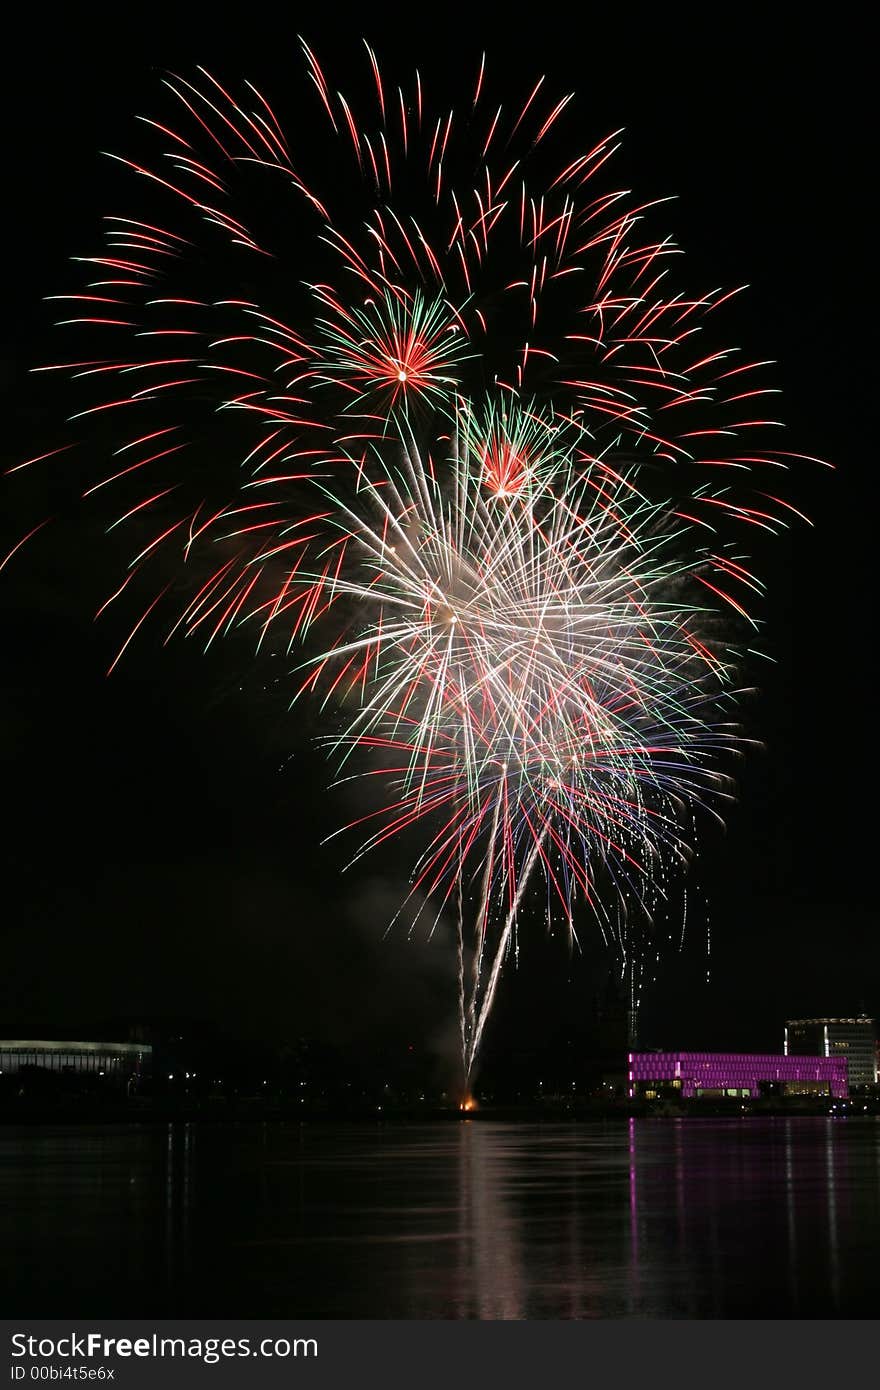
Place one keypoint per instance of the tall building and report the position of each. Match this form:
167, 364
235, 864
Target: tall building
617, 1015
852, 1038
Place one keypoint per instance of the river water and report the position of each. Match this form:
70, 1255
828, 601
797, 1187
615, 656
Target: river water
624, 1218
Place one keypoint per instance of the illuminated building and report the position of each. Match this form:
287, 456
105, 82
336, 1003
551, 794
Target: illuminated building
116, 1063
852, 1038
652, 1074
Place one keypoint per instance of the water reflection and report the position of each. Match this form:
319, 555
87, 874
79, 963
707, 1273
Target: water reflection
771, 1217
832, 1177
179, 1193
791, 1219
491, 1275
662, 1218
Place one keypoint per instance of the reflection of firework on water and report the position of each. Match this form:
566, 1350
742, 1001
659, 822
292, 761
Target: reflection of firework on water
453, 344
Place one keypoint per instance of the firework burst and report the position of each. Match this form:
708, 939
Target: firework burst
468, 445
392, 352
528, 671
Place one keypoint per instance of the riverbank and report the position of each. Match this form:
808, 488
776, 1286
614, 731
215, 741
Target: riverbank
223, 1110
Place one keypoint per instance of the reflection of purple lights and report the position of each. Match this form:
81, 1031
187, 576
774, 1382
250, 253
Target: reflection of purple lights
712, 1071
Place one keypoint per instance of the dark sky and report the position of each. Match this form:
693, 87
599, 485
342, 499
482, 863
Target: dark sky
161, 853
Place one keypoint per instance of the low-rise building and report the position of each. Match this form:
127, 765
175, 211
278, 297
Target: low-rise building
114, 1063
651, 1074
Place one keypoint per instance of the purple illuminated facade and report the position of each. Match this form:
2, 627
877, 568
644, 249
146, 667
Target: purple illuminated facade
735, 1073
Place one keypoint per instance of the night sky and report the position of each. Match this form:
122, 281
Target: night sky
161, 853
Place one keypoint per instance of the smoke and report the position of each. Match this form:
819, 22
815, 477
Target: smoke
414, 981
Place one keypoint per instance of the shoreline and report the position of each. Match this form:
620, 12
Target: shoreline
258, 1111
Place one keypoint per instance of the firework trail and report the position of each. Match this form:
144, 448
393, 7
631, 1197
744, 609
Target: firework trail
423, 405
